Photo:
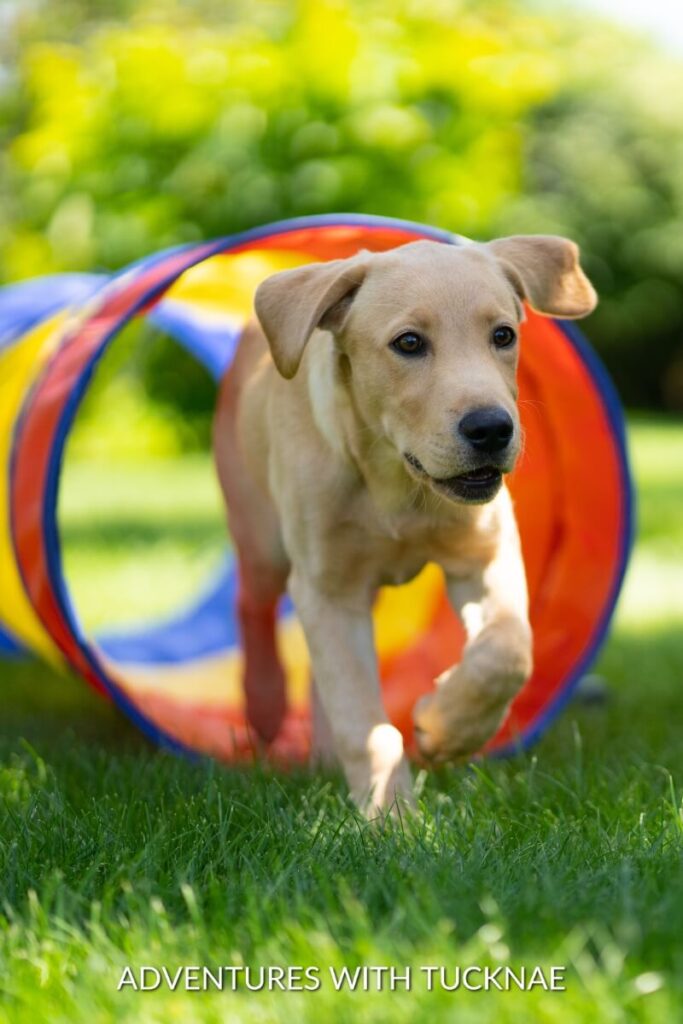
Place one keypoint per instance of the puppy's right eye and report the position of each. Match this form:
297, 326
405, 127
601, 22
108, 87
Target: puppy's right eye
409, 344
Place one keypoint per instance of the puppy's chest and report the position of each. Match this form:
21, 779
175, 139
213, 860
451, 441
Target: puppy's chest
393, 551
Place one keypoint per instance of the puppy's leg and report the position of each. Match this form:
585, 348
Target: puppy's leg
472, 698
264, 677
263, 570
341, 644
322, 741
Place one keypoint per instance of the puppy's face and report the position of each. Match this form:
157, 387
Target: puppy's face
427, 341
431, 340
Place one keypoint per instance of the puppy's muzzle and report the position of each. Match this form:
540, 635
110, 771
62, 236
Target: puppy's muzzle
488, 431
488, 434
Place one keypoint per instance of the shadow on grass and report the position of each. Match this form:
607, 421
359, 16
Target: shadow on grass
104, 534
53, 709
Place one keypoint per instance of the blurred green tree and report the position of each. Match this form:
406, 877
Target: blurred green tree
130, 126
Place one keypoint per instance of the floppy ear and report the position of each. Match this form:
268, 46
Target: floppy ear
545, 270
291, 304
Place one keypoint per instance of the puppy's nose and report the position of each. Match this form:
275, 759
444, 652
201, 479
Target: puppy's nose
487, 430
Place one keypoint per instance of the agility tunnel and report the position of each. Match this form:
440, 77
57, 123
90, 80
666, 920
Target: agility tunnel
180, 680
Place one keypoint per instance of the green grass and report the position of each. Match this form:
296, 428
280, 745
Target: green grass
140, 538
114, 854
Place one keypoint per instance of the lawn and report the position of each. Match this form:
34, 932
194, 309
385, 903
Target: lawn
114, 854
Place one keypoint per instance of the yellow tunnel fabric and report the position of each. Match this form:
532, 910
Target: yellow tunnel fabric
20, 366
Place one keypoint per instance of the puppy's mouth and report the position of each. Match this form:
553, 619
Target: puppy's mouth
475, 486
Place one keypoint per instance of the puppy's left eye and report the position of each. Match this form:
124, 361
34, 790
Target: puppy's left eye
503, 336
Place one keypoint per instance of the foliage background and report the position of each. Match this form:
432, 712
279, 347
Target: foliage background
132, 125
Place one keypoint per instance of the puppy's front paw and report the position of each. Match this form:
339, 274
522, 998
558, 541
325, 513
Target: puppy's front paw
391, 792
382, 784
455, 721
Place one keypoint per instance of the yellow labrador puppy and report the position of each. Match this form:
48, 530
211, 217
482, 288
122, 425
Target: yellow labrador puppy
364, 430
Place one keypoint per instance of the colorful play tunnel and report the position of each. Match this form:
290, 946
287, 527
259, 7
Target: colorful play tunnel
180, 680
